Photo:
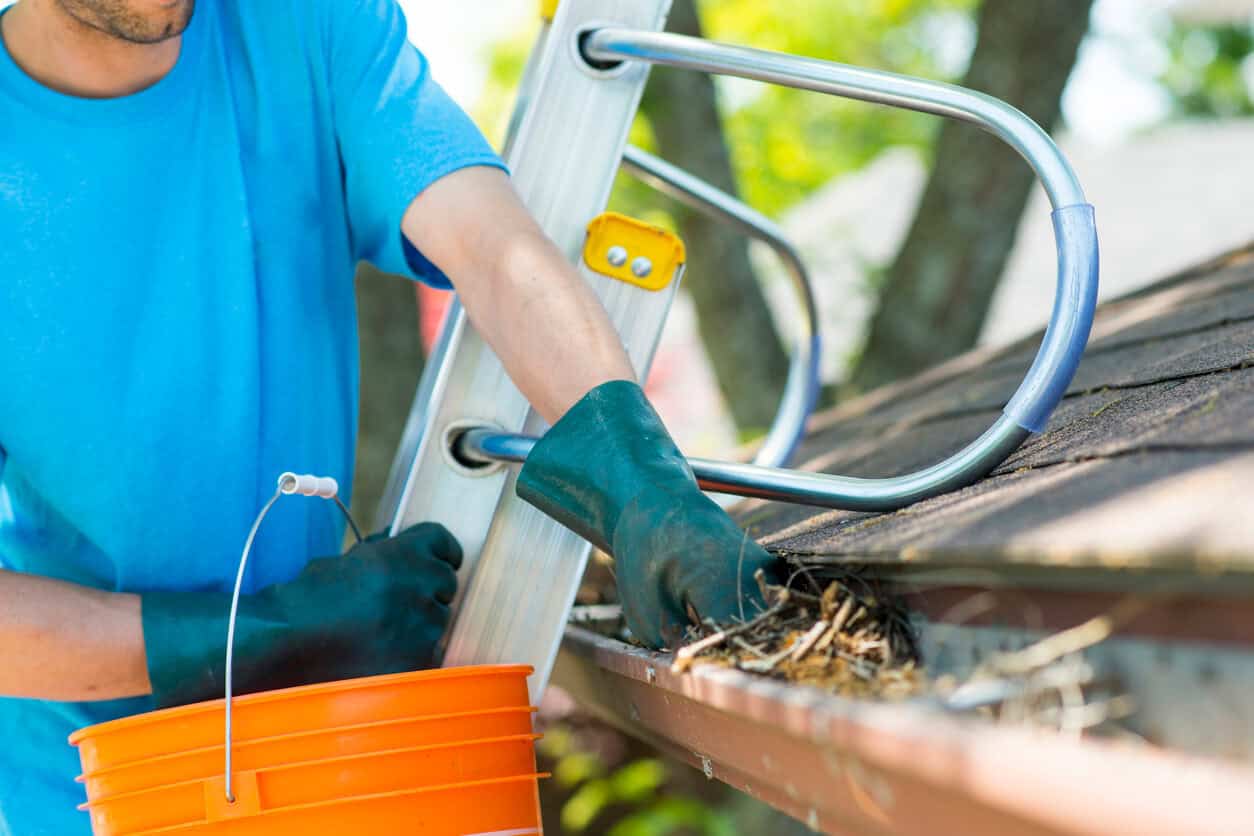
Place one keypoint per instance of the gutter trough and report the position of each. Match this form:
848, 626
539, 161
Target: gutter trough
849, 766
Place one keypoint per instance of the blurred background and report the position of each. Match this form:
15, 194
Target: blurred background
925, 239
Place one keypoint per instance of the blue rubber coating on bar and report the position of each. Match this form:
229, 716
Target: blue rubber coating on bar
1076, 234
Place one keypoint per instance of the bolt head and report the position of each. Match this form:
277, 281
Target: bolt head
641, 267
617, 256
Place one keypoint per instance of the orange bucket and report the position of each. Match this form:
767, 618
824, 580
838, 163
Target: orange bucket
306, 708
481, 808
308, 746
315, 782
449, 748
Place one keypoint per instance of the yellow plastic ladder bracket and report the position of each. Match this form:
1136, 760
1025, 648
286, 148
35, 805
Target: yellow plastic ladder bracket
633, 251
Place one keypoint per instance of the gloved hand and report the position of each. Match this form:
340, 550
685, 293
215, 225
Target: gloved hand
380, 608
609, 471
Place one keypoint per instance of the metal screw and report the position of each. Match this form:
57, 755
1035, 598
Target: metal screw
641, 267
617, 256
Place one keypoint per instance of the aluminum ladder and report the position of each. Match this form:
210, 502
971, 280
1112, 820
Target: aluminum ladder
567, 140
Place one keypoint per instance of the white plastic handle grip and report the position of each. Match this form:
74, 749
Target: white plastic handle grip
307, 485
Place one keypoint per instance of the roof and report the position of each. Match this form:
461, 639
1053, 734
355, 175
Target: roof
1146, 469
1167, 198
1148, 462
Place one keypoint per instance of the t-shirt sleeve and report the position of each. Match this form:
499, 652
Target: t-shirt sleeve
398, 131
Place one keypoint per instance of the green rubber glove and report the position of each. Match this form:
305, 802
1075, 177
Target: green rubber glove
380, 608
609, 471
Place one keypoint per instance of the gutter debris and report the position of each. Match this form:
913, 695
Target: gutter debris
848, 637
841, 631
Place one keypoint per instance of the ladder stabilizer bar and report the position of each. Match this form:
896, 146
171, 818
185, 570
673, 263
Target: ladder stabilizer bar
1075, 231
485, 446
1075, 299
801, 389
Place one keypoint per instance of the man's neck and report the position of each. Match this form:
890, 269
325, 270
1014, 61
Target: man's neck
70, 57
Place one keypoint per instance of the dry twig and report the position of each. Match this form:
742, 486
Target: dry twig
808, 638
685, 655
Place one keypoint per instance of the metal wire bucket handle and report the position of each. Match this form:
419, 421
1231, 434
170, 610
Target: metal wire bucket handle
323, 487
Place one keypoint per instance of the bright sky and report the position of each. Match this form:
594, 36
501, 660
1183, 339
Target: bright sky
455, 38
1109, 96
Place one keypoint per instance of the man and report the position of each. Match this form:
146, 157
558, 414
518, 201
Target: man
184, 191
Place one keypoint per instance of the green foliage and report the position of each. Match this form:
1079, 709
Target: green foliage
1210, 70
576, 768
638, 781
586, 804
673, 815
786, 143
639, 786
506, 60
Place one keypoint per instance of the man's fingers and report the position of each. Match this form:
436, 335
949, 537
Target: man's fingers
446, 547
434, 540
443, 583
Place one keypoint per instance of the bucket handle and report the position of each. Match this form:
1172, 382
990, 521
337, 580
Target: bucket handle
323, 487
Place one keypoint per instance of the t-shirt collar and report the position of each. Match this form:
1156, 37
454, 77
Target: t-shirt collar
148, 103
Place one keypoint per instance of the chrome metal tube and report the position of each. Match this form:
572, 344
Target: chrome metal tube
849, 82
802, 387
1075, 234
975, 460
486, 446
1060, 351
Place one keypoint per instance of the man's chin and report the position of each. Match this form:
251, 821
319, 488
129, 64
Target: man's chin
134, 21
169, 21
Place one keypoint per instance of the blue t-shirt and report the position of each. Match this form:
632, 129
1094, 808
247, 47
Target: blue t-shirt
177, 321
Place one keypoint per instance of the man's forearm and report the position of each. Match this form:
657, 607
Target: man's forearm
549, 329
544, 323
59, 641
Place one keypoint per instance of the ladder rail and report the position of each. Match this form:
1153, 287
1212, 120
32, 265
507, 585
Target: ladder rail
435, 365
521, 570
801, 389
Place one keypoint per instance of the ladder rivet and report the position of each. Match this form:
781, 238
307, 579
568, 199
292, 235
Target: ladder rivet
641, 267
617, 256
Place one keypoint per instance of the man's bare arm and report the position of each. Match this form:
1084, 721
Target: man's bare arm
59, 641
546, 325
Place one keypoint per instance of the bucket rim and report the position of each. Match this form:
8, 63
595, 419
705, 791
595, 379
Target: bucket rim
282, 694
132, 794
350, 728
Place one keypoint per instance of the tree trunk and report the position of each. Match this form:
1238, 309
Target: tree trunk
938, 290
735, 323
391, 363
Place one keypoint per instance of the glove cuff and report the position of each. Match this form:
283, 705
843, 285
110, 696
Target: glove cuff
607, 449
185, 645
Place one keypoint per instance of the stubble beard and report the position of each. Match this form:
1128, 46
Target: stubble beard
117, 19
